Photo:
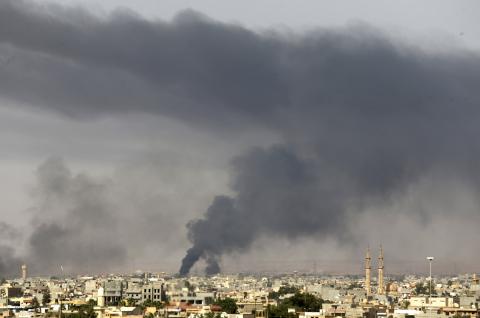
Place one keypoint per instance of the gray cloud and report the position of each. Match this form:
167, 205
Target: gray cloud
360, 116
74, 223
92, 224
9, 263
180, 65
9, 260
8, 232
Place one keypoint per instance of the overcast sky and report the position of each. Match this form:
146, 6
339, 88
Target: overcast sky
429, 19
243, 134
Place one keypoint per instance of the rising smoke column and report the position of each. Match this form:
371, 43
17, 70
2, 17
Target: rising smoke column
74, 222
206, 245
278, 194
9, 261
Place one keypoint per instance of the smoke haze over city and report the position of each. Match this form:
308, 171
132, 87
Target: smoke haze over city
190, 139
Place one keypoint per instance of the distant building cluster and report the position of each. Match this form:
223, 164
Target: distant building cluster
291, 295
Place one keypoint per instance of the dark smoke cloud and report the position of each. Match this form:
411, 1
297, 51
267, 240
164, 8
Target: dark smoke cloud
88, 224
190, 67
9, 262
74, 224
279, 194
213, 267
361, 117
225, 224
8, 232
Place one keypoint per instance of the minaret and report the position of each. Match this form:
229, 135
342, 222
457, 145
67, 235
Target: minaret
368, 269
381, 288
24, 272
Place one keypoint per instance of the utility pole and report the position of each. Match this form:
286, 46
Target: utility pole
255, 298
60, 302
61, 295
430, 259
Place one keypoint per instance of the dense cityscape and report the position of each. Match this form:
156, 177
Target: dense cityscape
288, 295
239, 159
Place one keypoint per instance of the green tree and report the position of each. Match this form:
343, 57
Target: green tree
151, 303
209, 300
35, 303
83, 311
306, 302
46, 299
301, 302
279, 311
211, 315
283, 291
129, 302
424, 289
228, 305
354, 285
191, 288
